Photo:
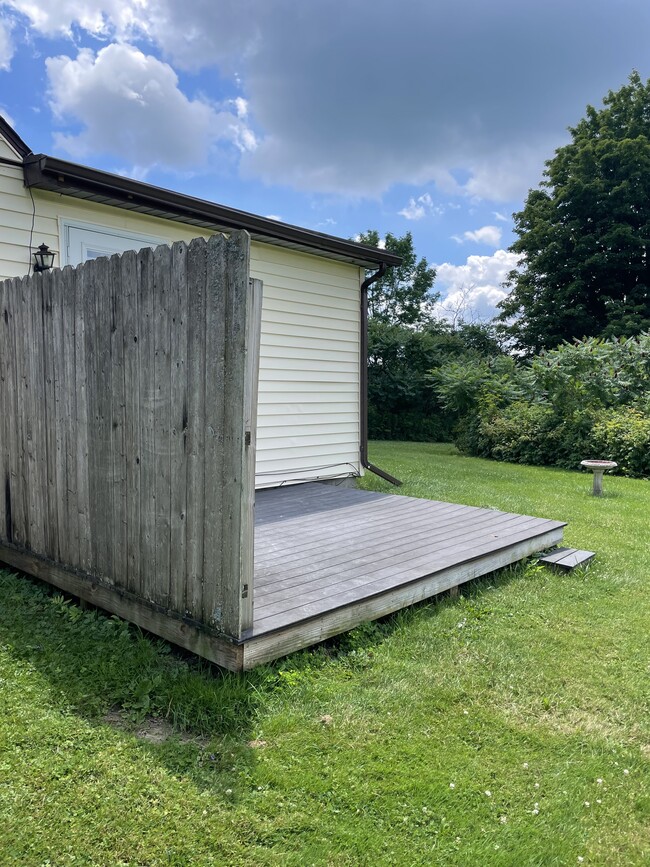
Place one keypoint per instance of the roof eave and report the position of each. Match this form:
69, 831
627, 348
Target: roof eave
49, 173
13, 139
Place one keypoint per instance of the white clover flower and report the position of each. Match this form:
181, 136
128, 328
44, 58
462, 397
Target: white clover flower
229, 791
525, 766
580, 859
599, 781
537, 785
535, 812
587, 804
626, 772
488, 793
503, 819
452, 785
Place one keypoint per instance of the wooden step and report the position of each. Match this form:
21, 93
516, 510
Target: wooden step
567, 558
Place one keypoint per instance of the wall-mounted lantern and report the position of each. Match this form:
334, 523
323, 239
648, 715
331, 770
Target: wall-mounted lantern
43, 258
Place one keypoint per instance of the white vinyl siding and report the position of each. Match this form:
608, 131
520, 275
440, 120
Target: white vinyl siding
308, 408
52, 211
308, 411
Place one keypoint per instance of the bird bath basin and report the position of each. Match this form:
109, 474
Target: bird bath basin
598, 468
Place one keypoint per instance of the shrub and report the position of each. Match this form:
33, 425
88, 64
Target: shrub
623, 435
583, 400
520, 433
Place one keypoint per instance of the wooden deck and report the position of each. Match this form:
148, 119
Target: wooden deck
328, 558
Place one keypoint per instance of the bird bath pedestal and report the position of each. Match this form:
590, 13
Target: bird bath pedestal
598, 468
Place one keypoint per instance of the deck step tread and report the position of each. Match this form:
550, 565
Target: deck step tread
568, 558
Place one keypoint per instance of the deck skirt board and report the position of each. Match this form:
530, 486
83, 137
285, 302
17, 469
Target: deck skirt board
328, 557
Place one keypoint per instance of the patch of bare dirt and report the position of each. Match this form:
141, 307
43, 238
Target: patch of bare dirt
153, 730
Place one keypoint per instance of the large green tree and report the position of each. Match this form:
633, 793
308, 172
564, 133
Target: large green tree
403, 296
583, 237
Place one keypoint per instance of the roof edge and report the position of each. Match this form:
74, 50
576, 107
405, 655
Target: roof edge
12, 137
45, 172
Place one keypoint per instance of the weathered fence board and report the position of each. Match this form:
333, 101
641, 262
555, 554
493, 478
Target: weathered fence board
197, 266
214, 491
127, 459
251, 380
178, 428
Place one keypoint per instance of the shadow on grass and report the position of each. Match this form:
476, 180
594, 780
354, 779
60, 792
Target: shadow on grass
112, 674
109, 672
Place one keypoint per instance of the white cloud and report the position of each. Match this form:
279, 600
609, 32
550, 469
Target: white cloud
195, 34
99, 17
6, 44
417, 208
321, 113
507, 174
501, 217
243, 137
241, 106
274, 217
413, 211
130, 105
489, 235
474, 289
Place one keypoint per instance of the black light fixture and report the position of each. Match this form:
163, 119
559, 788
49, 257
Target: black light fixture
43, 258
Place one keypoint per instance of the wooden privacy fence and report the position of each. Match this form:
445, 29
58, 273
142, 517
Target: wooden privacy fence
128, 389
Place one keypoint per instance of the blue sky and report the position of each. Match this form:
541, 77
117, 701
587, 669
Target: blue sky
429, 116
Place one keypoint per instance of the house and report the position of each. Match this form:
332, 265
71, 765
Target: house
311, 423
137, 469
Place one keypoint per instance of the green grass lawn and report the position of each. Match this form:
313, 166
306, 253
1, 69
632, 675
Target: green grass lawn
508, 727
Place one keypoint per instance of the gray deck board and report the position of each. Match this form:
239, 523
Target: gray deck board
308, 547
368, 580
375, 522
320, 548
408, 544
